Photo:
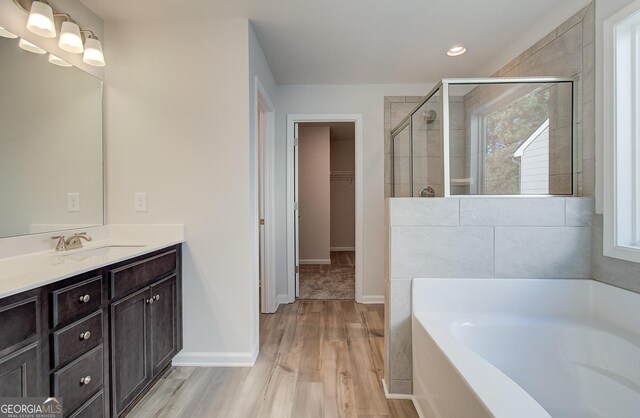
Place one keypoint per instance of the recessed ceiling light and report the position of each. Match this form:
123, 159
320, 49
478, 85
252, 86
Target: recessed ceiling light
456, 51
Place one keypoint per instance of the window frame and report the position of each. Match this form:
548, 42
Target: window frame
622, 150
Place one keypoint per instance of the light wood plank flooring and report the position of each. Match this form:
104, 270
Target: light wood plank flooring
317, 359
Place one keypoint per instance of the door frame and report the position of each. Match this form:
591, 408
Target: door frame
292, 119
265, 154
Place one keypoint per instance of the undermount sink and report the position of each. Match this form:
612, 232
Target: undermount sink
103, 251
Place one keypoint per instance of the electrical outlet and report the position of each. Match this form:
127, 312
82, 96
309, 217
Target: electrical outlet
73, 202
140, 203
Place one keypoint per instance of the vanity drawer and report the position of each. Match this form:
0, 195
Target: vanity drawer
76, 338
134, 276
76, 301
71, 384
19, 319
93, 408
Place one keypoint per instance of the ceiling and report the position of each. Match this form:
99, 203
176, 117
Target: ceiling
369, 41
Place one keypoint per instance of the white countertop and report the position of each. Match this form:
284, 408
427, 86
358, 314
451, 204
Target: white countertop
32, 270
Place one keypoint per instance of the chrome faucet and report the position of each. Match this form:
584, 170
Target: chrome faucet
71, 243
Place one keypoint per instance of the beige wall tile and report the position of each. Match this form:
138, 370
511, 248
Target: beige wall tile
589, 25
560, 57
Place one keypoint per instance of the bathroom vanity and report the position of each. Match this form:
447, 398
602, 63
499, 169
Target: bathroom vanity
97, 325
98, 339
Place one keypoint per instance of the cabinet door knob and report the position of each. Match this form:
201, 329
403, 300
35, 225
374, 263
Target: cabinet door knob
157, 297
85, 380
85, 298
85, 335
150, 301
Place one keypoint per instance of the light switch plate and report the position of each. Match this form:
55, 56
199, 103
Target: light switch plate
73, 202
140, 203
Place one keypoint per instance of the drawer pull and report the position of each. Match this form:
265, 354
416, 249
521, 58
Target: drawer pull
157, 297
85, 335
85, 380
85, 299
150, 301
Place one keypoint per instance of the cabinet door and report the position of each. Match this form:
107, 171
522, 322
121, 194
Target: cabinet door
19, 373
163, 323
130, 366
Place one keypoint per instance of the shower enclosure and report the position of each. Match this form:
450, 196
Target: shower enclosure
487, 136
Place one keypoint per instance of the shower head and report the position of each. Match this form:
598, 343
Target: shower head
429, 116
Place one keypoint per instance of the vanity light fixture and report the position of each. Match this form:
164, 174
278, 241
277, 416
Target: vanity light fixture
41, 20
93, 52
58, 61
70, 38
6, 34
456, 51
28, 46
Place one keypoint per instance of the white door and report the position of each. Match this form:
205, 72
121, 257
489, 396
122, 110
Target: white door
296, 209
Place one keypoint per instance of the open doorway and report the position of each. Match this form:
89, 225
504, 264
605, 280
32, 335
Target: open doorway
326, 218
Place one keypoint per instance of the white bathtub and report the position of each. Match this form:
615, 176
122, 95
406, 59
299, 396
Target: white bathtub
520, 348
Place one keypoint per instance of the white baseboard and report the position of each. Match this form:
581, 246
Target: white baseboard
281, 300
319, 261
403, 396
372, 299
342, 249
395, 395
209, 359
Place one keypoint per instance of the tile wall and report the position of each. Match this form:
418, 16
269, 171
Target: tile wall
545, 237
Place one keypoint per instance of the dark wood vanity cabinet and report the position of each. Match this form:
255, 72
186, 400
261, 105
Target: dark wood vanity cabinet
21, 345
98, 340
144, 339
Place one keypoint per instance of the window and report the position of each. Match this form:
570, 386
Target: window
504, 131
622, 140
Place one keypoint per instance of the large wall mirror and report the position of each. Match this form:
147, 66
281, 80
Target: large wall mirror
51, 165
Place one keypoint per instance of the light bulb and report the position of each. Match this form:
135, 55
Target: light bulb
70, 39
93, 52
41, 20
28, 46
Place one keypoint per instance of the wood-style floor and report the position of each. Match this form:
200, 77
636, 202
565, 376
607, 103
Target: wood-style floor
317, 359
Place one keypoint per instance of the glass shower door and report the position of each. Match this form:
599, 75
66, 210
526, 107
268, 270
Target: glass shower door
402, 164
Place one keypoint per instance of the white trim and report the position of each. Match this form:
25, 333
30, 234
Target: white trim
212, 359
282, 300
372, 299
316, 261
339, 249
403, 396
520, 151
262, 100
445, 140
610, 146
292, 119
